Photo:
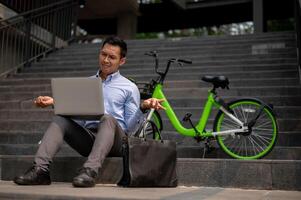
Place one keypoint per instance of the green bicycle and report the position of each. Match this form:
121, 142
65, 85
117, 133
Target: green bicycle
244, 129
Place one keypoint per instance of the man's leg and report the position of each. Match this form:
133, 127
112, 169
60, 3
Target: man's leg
59, 130
108, 140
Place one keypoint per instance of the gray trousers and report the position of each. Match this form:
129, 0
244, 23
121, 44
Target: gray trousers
106, 140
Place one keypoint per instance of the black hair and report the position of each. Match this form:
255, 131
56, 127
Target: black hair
116, 41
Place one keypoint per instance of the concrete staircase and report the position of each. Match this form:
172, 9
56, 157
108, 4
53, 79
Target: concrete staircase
260, 65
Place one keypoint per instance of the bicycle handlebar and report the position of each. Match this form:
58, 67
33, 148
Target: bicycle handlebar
185, 61
151, 53
172, 60
177, 60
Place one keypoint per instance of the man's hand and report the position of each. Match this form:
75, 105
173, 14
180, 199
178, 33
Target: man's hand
152, 103
43, 101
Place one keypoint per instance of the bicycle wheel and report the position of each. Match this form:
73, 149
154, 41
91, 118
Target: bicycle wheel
261, 138
149, 130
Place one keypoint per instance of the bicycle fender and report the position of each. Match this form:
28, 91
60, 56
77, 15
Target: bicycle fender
265, 105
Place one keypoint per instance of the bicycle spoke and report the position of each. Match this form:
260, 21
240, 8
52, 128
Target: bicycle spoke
244, 149
249, 107
243, 114
263, 129
260, 123
257, 144
230, 140
254, 147
231, 121
262, 139
264, 133
239, 114
238, 147
268, 139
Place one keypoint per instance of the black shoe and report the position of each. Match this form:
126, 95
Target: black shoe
86, 178
34, 176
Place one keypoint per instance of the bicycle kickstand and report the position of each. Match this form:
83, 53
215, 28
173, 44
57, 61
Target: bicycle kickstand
207, 147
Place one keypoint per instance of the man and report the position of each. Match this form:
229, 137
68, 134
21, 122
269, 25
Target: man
93, 139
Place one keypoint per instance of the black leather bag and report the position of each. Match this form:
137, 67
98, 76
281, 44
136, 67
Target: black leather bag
148, 163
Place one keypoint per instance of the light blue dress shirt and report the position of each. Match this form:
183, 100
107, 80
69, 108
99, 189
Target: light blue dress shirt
122, 101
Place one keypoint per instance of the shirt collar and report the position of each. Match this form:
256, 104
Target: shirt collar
109, 77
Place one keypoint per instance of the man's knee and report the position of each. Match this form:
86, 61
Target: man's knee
61, 121
108, 120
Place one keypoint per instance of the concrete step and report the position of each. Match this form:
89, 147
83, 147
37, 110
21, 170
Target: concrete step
17, 104
287, 124
221, 40
257, 174
199, 101
197, 42
22, 97
47, 113
183, 151
92, 53
179, 91
30, 114
193, 55
196, 60
33, 84
25, 101
133, 72
278, 153
20, 137
39, 68
285, 138
235, 82
285, 73
238, 91
201, 65
284, 124
26, 88
188, 53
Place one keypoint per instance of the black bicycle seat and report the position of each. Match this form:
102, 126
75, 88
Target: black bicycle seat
217, 81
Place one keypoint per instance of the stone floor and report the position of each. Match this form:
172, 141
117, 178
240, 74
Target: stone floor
60, 191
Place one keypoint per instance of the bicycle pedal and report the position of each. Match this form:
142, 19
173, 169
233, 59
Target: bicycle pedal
186, 117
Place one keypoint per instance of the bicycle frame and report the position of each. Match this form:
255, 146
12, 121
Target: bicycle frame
201, 125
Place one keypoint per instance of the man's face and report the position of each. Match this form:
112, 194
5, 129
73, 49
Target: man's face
110, 59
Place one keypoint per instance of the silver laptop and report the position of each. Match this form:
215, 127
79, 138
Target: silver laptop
78, 97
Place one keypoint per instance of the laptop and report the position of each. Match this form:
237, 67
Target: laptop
79, 98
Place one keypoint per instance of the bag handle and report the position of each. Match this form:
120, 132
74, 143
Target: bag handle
154, 127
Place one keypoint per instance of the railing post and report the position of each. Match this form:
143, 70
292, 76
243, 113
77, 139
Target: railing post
54, 24
74, 20
27, 41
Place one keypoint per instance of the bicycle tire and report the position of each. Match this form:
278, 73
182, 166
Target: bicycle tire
260, 140
149, 131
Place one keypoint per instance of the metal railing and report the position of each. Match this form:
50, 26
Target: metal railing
298, 33
32, 34
21, 6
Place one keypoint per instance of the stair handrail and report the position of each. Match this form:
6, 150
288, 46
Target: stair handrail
29, 12
19, 6
27, 37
